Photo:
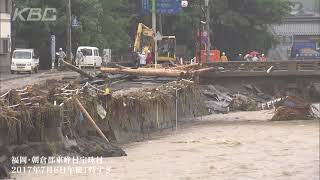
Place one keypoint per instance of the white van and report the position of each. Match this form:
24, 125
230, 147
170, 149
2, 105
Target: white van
91, 57
24, 60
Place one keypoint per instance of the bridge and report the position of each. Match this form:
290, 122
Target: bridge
259, 69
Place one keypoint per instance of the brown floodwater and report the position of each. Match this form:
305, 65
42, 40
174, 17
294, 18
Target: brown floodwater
218, 147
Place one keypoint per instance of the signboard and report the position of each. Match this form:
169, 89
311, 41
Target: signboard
146, 7
305, 50
75, 22
163, 6
53, 49
169, 6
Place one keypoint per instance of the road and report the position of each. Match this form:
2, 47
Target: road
219, 147
15, 81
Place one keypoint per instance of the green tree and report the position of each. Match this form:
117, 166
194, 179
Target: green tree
237, 26
104, 23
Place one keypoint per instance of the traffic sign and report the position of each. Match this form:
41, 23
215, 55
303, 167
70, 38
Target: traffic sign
168, 6
146, 7
75, 23
163, 6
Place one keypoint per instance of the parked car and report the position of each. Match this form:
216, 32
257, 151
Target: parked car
24, 60
91, 57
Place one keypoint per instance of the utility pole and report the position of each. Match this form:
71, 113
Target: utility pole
207, 4
69, 47
160, 23
200, 35
154, 27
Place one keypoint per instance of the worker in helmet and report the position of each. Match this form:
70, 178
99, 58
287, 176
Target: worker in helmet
79, 58
224, 58
142, 58
239, 58
263, 58
61, 56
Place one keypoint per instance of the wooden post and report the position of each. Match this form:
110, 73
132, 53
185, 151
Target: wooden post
89, 118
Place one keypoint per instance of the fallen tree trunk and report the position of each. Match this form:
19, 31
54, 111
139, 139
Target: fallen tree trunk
74, 68
146, 72
155, 72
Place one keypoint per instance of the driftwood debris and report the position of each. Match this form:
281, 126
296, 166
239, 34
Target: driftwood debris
155, 72
74, 68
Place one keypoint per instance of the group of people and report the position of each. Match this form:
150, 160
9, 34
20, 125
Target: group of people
248, 57
254, 58
144, 58
62, 56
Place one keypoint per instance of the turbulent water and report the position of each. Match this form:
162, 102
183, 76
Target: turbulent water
217, 147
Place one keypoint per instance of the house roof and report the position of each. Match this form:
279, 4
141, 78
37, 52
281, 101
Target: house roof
288, 29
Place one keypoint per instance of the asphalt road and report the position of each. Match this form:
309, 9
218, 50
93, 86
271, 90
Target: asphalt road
15, 81
9, 76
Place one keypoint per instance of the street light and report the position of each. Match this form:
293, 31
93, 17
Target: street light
184, 3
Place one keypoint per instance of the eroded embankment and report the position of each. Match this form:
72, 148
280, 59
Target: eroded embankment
48, 116
132, 114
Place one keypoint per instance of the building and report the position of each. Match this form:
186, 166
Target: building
5, 34
299, 33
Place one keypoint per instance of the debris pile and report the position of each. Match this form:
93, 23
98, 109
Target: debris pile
51, 112
244, 98
217, 98
243, 103
293, 108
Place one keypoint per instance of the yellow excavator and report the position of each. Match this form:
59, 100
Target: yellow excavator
145, 41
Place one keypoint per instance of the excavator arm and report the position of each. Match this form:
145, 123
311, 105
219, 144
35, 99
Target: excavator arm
144, 38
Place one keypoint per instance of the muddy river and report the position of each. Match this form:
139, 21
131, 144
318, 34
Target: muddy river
219, 147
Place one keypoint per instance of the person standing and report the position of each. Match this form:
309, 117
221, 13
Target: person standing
224, 58
149, 57
142, 59
247, 57
263, 58
79, 58
61, 56
255, 58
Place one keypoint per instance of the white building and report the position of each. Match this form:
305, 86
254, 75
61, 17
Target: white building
5, 34
299, 33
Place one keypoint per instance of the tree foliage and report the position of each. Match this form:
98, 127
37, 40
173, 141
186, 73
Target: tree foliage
104, 23
237, 25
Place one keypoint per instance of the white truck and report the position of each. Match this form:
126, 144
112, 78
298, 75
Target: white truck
24, 60
90, 58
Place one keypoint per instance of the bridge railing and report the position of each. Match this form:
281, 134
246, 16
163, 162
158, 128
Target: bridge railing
278, 66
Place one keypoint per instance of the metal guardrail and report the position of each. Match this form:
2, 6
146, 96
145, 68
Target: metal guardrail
311, 67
